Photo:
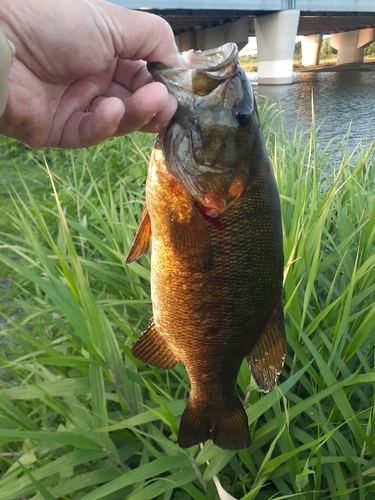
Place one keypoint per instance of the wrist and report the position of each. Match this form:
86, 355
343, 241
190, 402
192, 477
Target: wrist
7, 53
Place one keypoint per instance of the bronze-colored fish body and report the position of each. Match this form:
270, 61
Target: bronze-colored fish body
216, 268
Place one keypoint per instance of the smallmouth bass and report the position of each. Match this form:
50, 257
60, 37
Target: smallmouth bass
212, 223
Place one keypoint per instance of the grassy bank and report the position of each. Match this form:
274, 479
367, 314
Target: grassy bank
80, 418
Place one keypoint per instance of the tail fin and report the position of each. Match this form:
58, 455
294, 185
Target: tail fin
227, 427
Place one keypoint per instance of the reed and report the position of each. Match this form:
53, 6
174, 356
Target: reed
80, 418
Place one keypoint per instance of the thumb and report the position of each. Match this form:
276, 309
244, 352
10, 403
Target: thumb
140, 35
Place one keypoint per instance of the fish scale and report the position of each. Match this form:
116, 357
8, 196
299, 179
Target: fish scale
216, 253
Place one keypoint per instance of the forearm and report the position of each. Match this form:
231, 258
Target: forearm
6, 57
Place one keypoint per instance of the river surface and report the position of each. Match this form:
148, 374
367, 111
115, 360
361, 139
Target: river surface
344, 104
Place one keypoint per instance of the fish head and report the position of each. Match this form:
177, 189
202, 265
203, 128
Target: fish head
208, 145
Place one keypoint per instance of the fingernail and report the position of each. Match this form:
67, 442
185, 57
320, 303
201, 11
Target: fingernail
116, 123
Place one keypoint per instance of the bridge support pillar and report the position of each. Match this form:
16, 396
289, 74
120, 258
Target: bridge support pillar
187, 40
210, 38
351, 44
311, 45
276, 36
236, 31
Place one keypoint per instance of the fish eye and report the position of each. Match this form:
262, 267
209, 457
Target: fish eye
242, 114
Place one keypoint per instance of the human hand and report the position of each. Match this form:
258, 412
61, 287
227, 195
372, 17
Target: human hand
75, 53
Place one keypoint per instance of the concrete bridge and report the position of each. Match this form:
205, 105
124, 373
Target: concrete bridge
275, 23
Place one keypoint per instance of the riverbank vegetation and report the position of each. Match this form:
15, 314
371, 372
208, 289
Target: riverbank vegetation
80, 418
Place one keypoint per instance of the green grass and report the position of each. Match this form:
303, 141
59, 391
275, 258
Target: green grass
80, 418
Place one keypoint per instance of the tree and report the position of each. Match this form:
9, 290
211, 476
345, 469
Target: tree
370, 50
298, 50
326, 51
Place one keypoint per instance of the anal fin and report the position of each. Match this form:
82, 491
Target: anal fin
266, 359
142, 240
151, 348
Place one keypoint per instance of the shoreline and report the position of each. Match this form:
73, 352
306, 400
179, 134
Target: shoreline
366, 66
359, 66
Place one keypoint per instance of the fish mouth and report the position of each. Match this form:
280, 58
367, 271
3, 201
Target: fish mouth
211, 67
203, 71
211, 60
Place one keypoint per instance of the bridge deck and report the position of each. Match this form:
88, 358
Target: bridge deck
309, 23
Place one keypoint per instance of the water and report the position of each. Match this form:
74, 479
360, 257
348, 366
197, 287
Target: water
344, 104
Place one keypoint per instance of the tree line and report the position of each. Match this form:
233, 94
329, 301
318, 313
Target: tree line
328, 52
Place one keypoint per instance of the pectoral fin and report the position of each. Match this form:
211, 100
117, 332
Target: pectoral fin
192, 243
266, 359
151, 348
142, 240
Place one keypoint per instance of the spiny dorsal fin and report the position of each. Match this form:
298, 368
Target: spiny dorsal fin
192, 243
266, 359
151, 348
142, 240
